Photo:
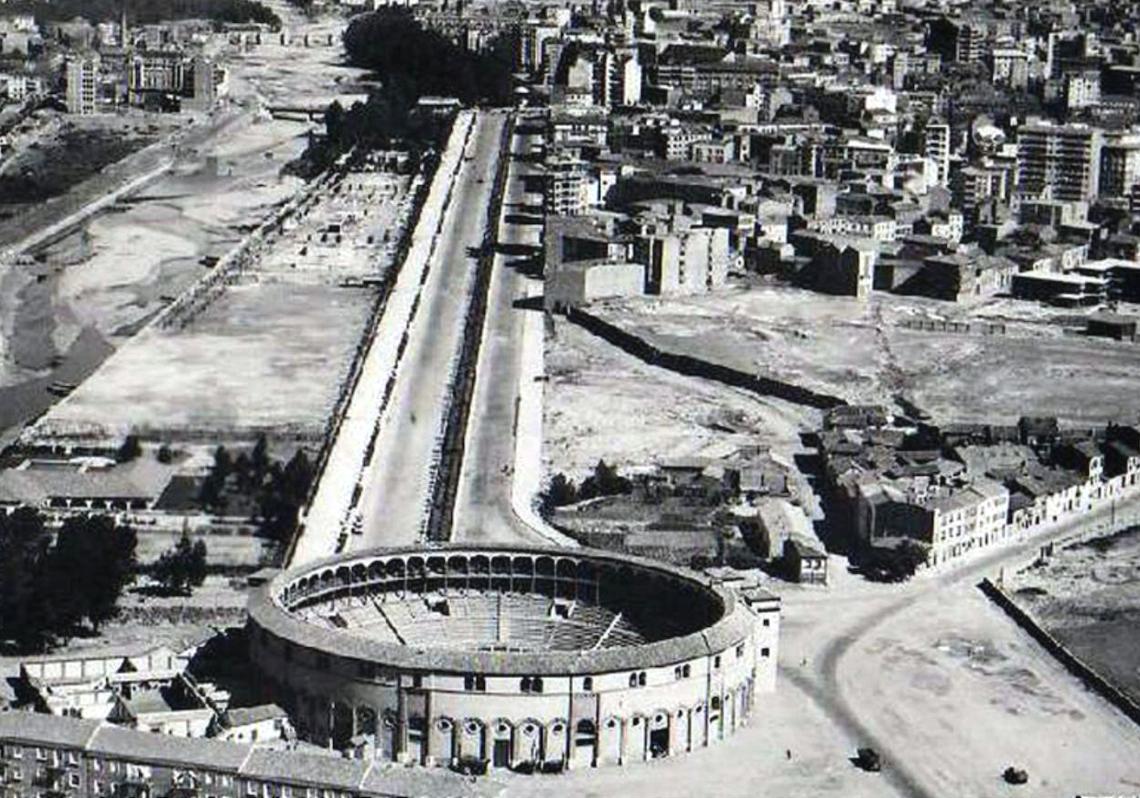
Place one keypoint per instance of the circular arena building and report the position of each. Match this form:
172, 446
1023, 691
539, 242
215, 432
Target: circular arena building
508, 657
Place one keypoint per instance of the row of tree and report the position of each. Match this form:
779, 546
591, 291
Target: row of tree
410, 62
403, 54
278, 490
604, 481
50, 588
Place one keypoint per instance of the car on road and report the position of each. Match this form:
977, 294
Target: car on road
1014, 775
869, 760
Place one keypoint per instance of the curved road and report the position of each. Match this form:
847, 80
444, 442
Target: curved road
852, 640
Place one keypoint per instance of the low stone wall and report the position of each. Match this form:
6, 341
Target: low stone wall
696, 367
1072, 663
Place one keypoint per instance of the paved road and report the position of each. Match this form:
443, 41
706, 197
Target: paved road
483, 506
397, 482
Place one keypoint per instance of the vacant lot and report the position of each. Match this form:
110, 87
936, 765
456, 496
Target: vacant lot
1088, 597
865, 352
261, 358
604, 404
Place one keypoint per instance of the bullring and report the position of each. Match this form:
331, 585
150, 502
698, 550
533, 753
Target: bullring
511, 657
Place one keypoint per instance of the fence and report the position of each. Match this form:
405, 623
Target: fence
1072, 663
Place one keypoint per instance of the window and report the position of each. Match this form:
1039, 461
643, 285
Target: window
97, 787
73, 779
764, 652
641, 679
475, 682
588, 683
17, 752
41, 754
716, 661
740, 651
686, 671
417, 680
633, 680
767, 621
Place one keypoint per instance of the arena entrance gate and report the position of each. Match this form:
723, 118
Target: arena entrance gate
659, 736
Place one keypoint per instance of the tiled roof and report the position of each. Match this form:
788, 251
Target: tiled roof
302, 768
131, 745
46, 729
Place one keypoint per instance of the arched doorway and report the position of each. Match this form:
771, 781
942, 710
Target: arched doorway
659, 735
585, 743
501, 733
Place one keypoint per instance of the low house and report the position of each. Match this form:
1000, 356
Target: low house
267, 724
804, 562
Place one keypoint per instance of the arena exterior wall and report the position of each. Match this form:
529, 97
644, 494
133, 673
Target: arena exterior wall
511, 708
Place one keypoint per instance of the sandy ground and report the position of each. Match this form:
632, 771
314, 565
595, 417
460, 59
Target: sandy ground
861, 352
1088, 596
601, 403
262, 357
280, 367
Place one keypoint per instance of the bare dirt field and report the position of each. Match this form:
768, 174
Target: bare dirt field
862, 352
263, 357
604, 404
1088, 597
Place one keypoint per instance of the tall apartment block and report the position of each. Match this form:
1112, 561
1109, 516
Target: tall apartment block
82, 84
1060, 162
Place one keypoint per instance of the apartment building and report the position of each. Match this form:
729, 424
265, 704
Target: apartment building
1120, 166
1059, 161
83, 84
41, 755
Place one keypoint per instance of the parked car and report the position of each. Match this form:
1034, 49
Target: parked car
869, 760
1014, 775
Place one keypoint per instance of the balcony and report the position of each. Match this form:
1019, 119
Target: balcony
131, 788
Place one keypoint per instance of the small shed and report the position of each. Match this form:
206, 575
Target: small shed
1112, 325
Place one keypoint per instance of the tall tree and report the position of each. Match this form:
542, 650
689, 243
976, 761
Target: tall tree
183, 567
24, 606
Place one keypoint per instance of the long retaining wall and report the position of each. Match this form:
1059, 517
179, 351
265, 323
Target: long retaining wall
696, 367
1072, 663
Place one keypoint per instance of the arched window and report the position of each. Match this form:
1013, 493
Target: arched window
716, 703
536, 684
641, 679
686, 671
633, 680
524, 684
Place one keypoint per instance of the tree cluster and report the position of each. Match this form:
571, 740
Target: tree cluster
411, 62
147, 12
49, 588
278, 490
895, 564
604, 481
182, 568
418, 62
